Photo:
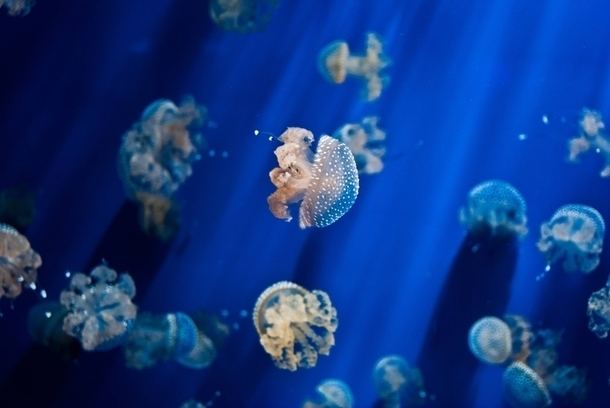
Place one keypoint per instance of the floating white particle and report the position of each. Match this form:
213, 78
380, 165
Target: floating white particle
47, 314
43, 294
256, 132
212, 153
68, 274
545, 119
32, 286
224, 154
522, 136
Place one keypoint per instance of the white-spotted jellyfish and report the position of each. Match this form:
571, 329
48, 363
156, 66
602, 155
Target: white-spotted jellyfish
295, 325
523, 387
366, 142
17, 7
573, 237
490, 340
242, 15
331, 394
100, 310
497, 207
326, 183
335, 62
598, 311
18, 263
398, 383
591, 136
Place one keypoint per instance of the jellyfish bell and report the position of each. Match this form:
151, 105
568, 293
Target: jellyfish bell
398, 383
523, 388
489, 340
332, 61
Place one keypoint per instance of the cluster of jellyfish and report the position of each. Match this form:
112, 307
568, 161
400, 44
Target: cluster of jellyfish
17, 7
335, 63
19, 263
156, 158
242, 16
533, 376
366, 141
591, 137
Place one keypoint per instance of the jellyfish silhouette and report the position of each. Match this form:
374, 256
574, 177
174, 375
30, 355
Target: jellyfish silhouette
574, 236
398, 383
294, 324
331, 394
242, 15
335, 63
366, 142
326, 183
17, 7
100, 311
18, 263
598, 311
591, 137
523, 388
45, 325
497, 207
490, 340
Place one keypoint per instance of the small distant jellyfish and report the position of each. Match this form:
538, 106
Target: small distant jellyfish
243, 16
100, 311
326, 183
523, 387
192, 404
295, 325
591, 137
497, 207
574, 236
17, 7
490, 340
398, 383
598, 311
331, 394
366, 142
335, 63
18, 263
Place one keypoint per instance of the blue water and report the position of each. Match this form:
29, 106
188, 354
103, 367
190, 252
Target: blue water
467, 78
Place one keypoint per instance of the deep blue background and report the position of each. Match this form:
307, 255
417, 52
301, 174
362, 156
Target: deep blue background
467, 78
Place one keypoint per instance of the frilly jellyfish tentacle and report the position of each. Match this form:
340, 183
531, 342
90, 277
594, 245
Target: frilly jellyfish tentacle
18, 263
366, 142
598, 311
398, 383
591, 136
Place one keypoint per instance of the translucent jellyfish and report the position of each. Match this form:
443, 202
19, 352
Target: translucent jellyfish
598, 310
100, 311
366, 142
294, 324
242, 15
522, 337
490, 340
45, 325
574, 237
398, 383
18, 263
523, 387
591, 137
326, 183
17, 7
335, 63
495, 206
331, 394
17, 207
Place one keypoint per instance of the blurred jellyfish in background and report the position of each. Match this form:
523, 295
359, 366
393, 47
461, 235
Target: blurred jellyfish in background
523, 388
45, 325
366, 142
156, 158
490, 340
331, 394
100, 311
591, 137
294, 324
522, 336
17, 207
574, 236
192, 404
243, 16
495, 207
335, 62
398, 383
17, 7
598, 310
327, 183
18, 263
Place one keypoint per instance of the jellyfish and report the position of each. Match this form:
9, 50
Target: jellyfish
331, 394
574, 237
598, 311
398, 383
522, 337
523, 388
326, 183
156, 158
335, 63
497, 207
100, 311
591, 136
45, 325
366, 142
242, 15
294, 324
18, 263
490, 340
17, 207
17, 7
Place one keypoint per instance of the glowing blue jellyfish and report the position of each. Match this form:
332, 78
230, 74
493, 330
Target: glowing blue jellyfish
45, 325
591, 137
335, 63
574, 236
490, 340
331, 394
495, 206
326, 183
366, 142
598, 311
398, 383
100, 311
242, 15
523, 387
18, 263
17, 7
294, 324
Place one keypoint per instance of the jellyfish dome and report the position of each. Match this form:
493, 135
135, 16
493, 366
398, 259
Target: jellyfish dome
598, 311
295, 325
396, 382
17, 7
495, 206
201, 355
523, 388
490, 340
326, 183
332, 394
100, 311
243, 16
366, 142
574, 236
18, 263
